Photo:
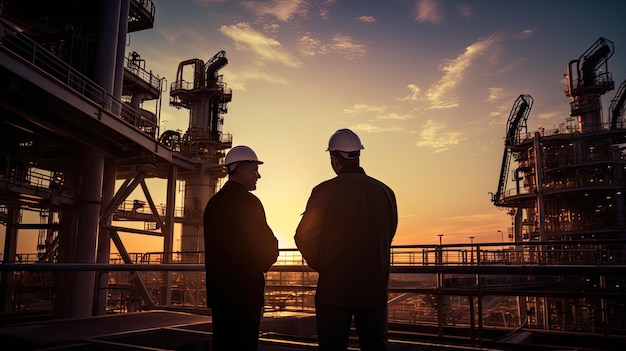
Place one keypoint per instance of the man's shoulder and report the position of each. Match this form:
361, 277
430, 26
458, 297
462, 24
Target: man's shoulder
381, 183
326, 183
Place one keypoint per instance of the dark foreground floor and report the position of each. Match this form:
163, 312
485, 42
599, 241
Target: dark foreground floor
161, 330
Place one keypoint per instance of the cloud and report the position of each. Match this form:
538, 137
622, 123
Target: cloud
367, 19
379, 112
325, 8
511, 66
495, 94
359, 109
525, 33
370, 128
428, 11
238, 80
346, 46
283, 10
182, 36
342, 44
375, 118
267, 49
441, 94
394, 116
308, 45
413, 95
433, 136
549, 114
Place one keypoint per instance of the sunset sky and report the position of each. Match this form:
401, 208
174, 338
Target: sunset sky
428, 86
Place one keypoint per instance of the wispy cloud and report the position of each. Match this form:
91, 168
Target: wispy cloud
441, 94
373, 111
341, 44
414, 94
238, 80
324, 9
395, 116
360, 109
511, 66
495, 94
367, 19
346, 46
549, 114
526, 33
267, 49
182, 35
374, 118
434, 136
428, 11
283, 10
371, 128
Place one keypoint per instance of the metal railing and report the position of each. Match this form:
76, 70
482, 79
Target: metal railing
22, 46
471, 288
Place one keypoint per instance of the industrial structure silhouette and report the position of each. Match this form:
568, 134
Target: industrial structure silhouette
80, 131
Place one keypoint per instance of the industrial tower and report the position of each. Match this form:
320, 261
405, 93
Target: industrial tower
79, 133
206, 97
564, 189
568, 183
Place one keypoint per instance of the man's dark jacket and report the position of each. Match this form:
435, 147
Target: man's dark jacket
345, 234
239, 247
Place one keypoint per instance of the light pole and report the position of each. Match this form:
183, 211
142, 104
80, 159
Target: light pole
501, 236
471, 240
439, 251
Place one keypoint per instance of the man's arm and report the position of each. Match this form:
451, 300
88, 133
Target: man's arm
308, 234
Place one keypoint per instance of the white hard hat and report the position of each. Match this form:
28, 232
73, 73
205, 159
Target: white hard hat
240, 154
346, 142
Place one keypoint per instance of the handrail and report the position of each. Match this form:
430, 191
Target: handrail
562, 270
20, 45
141, 73
426, 294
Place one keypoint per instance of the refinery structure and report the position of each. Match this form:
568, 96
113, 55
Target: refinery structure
79, 116
80, 136
568, 183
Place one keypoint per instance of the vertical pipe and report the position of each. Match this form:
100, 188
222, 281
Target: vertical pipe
68, 219
168, 242
104, 237
10, 251
479, 297
93, 164
619, 204
539, 189
87, 231
121, 48
106, 50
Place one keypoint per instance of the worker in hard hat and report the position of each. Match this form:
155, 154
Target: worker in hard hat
239, 248
345, 234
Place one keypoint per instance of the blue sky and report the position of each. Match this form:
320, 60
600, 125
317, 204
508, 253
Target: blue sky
428, 86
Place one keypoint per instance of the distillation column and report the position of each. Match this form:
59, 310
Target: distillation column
206, 98
588, 80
